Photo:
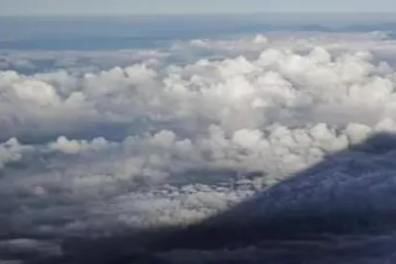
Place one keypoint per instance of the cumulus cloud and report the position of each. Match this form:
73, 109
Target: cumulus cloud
74, 146
89, 150
11, 151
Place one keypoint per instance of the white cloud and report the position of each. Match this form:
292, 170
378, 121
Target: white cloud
75, 146
36, 92
11, 151
105, 142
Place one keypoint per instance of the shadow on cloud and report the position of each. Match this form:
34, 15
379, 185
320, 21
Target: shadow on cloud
339, 211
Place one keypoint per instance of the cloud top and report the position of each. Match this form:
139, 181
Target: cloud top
182, 134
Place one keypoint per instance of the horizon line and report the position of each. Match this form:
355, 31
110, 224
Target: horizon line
204, 14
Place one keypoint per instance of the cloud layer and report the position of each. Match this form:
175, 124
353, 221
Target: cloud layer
183, 133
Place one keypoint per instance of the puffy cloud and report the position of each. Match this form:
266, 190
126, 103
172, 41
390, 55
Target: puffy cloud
11, 151
75, 146
36, 92
175, 137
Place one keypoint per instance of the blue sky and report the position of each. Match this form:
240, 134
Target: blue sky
114, 7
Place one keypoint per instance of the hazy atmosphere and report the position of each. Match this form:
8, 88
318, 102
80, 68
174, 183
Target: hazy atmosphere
189, 132
138, 7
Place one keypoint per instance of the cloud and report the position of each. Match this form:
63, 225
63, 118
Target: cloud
30, 246
131, 142
75, 146
74, 61
11, 151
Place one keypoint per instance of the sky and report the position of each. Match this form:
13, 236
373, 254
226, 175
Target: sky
116, 124
126, 7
